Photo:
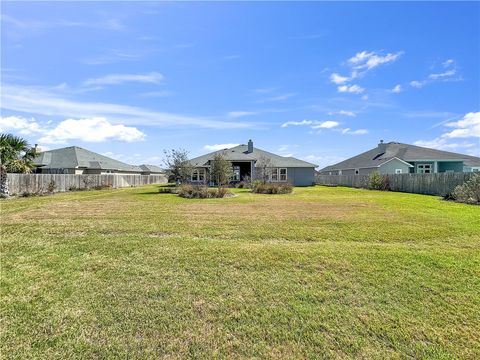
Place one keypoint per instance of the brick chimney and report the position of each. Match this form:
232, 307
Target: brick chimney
250, 146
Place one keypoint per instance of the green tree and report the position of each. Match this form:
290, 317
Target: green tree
16, 156
178, 164
220, 170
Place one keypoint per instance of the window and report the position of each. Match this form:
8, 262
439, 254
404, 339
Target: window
274, 174
236, 173
398, 171
283, 174
198, 175
339, 172
424, 168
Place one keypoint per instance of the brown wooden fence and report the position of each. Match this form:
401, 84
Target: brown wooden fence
41, 183
429, 184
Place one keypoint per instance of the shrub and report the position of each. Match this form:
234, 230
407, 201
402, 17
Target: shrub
469, 192
378, 182
246, 183
101, 187
166, 190
201, 192
51, 186
272, 188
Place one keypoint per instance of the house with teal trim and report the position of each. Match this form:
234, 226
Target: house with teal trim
398, 158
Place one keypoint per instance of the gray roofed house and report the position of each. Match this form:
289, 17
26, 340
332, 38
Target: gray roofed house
398, 158
76, 160
151, 169
245, 160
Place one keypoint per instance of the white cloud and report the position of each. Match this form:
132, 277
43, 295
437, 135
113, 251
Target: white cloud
231, 57
466, 128
347, 113
326, 125
322, 160
348, 131
217, 147
448, 73
365, 97
19, 125
368, 60
115, 79
448, 63
264, 90
297, 123
36, 100
445, 74
279, 97
95, 129
153, 94
443, 144
469, 126
33, 25
396, 89
359, 65
354, 89
237, 114
338, 79
417, 84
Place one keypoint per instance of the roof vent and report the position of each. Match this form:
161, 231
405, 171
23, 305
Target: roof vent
250, 146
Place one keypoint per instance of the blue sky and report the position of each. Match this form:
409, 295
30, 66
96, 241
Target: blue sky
319, 81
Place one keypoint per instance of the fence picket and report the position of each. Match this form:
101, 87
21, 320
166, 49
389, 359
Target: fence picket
429, 184
37, 183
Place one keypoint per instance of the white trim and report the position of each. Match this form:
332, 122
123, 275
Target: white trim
425, 166
199, 171
406, 163
277, 172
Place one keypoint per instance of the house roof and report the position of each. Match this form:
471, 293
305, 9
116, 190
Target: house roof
151, 168
76, 157
381, 154
240, 153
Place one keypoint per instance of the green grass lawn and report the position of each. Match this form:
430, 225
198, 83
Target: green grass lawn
320, 273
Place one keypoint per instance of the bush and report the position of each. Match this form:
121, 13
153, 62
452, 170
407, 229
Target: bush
272, 188
469, 192
51, 186
378, 182
166, 190
101, 187
189, 191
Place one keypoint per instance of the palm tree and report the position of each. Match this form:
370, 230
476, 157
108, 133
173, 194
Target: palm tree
16, 156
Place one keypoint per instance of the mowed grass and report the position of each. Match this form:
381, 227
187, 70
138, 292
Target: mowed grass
320, 273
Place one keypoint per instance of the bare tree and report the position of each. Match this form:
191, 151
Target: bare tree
178, 165
220, 170
263, 168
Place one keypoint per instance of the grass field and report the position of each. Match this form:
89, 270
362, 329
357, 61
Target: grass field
320, 273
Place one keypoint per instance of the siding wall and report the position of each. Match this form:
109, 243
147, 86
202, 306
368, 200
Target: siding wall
391, 166
301, 176
456, 166
429, 184
38, 183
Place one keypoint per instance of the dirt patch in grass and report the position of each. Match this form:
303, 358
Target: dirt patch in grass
277, 209
68, 210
